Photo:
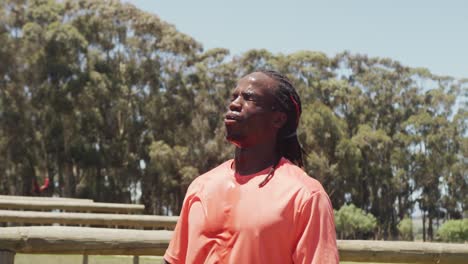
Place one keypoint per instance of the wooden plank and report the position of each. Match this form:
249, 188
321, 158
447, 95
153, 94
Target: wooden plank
72, 206
83, 240
402, 252
102, 241
95, 219
41, 198
7, 257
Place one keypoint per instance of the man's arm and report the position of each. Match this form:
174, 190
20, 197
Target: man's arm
177, 251
316, 241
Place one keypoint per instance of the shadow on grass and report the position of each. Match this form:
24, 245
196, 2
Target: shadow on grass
78, 259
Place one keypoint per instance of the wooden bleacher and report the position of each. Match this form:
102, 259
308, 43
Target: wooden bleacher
41, 198
18, 210
71, 206
89, 219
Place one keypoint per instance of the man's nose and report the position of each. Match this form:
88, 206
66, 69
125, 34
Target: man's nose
236, 104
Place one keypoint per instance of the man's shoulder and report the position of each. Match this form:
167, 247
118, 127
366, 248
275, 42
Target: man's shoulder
215, 173
298, 178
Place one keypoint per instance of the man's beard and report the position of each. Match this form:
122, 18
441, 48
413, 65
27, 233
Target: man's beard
235, 138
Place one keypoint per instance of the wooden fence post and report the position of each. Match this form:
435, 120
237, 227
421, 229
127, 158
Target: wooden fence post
136, 259
7, 257
85, 259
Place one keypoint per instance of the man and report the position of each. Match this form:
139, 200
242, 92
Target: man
260, 207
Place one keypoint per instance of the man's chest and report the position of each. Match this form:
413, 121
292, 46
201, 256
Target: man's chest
246, 210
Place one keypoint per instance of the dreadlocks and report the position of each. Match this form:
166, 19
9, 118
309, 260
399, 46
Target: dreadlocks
288, 101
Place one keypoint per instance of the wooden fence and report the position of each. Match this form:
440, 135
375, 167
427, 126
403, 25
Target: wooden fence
104, 241
87, 219
41, 198
72, 206
117, 215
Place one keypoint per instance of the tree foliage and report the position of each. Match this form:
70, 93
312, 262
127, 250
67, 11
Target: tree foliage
454, 231
405, 229
354, 223
114, 104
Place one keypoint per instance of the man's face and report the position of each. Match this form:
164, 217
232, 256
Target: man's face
251, 119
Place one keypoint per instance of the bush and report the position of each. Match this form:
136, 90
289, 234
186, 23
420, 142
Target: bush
405, 229
454, 231
352, 222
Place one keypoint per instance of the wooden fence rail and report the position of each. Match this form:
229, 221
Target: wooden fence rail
121, 220
73, 206
402, 252
102, 241
83, 240
41, 198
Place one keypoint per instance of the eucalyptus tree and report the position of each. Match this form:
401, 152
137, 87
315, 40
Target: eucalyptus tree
110, 102
136, 65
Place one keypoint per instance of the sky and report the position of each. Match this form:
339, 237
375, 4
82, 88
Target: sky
418, 33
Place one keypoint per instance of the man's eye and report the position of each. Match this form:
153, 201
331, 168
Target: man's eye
249, 97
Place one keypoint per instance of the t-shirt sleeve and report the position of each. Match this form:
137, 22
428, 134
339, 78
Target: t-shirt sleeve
316, 235
177, 250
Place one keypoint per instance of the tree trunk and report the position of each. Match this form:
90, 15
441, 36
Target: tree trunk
69, 180
98, 184
430, 230
29, 175
60, 174
424, 225
147, 193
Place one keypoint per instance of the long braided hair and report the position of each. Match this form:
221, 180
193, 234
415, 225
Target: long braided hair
288, 101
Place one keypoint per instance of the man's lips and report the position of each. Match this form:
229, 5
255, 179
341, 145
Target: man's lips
232, 117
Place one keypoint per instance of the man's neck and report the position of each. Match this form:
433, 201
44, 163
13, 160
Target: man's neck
254, 159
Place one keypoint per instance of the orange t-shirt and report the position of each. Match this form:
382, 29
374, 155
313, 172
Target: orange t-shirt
228, 218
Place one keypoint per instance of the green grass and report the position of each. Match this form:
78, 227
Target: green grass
77, 259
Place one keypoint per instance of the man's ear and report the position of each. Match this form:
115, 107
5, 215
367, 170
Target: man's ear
279, 119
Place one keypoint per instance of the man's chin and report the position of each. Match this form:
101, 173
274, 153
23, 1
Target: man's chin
236, 140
